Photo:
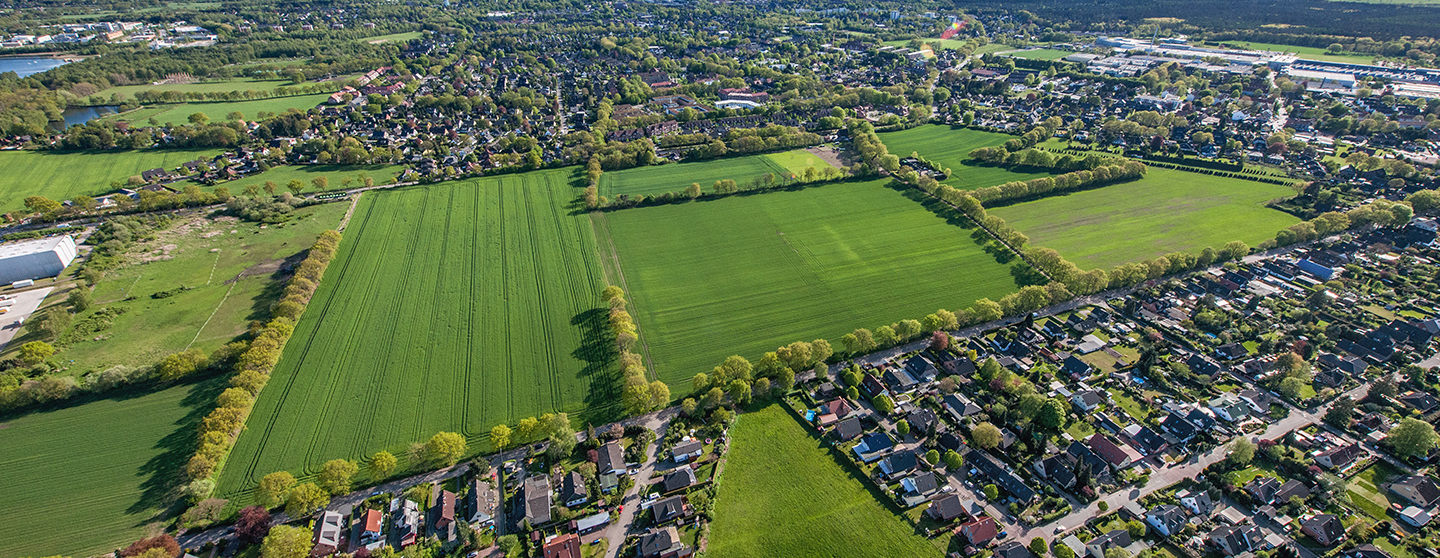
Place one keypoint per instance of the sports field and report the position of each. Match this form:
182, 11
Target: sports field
65, 175
1042, 54
676, 177
785, 494
743, 275
1167, 211
218, 111
86, 479
951, 147
231, 278
449, 307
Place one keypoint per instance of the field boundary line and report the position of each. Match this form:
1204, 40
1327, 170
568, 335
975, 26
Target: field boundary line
212, 312
348, 212
598, 217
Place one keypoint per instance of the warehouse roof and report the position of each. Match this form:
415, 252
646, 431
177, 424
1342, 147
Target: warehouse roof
31, 246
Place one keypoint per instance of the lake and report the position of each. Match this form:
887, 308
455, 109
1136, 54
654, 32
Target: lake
81, 115
30, 65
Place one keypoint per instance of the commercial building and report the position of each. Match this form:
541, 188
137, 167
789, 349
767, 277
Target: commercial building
35, 259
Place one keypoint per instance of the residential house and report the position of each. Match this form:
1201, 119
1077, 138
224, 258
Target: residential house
1229, 407
1325, 528
1290, 490
1415, 516
921, 369
481, 503
1416, 489
1198, 502
922, 422
837, 408
1075, 367
1166, 519
1263, 489
667, 509
899, 463
1056, 469
848, 429
873, 446
573, 491
1258, 401
1117, 456
1340, 457
405, 521
871, 386
679, 479
1365, 551
1177, 426
328, 533
563, 546
1000, 474
1233, 540
367, 533
980, 531
1147, 441
687, 450
663, 543
946, 508
590, 524
959, 406
611, 459
1088, 400
923, 484
536, 506
1420, 401
442, 515
1013, 549
897, 380
1116, 538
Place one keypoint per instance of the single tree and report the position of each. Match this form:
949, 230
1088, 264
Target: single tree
903, 427
1412, 437
953, 460
1242, 451
336, 475
1341, 412
1136, 529
305, 499
992, 492
1037, 546
80, 299
285, 541
272, 488
932, 457
445, 448
381, 464
986, 435
253, 524
500, 437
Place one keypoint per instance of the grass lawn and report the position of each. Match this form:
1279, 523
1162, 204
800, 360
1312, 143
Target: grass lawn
236, 84
450, 307
951, 147
1244, 476
1136, 409
1167, 211
282, 175
785, 494
1310, 53
1042, 54
745, 274
678, 176
103, 469
1366, 493
65, 175
232, 279
219, 110
393, 38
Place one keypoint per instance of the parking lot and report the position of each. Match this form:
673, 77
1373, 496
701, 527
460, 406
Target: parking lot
25, 304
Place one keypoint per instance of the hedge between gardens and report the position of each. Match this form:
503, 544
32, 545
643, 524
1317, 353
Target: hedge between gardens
219, 429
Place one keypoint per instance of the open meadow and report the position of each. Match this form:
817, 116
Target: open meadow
785, 494
453, 307
676, 177
745, 274
1309, 53
1041, 54
282, 175
65, 175
236, 84
87, 478
1167, 211
231, 275
951, 147
217, 111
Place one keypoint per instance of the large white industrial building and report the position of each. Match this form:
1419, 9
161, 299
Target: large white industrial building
35, 259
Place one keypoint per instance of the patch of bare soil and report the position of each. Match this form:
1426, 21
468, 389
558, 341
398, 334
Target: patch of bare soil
829, 155
263, 268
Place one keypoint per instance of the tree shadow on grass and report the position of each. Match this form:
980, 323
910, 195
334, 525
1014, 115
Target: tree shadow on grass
602, 371
164, 474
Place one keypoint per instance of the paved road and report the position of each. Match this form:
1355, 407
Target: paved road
26, 303
617, 530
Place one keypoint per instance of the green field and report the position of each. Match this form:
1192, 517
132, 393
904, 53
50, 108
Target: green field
218, 111
231, 277
393, 38
1164, 212
86, 479
282, 175
449, 307
1311, 53
1042, 54
951, 147
785, 494
745, 274
676, 177
237, 84
65, 175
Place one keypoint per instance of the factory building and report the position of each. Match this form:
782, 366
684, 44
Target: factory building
35, 259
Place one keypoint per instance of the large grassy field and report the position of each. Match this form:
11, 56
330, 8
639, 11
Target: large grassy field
1164, 212
951, 147
61, 176
86, 479
393, 38
745, 274
676, 177
237, 84
449, 307
231, 277
1042, 54
282, 175
219, 110
785, 494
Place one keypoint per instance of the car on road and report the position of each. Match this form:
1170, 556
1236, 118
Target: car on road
1059, 529
634, 471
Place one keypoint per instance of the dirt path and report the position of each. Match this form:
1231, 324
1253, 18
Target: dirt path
348, 212
828, 154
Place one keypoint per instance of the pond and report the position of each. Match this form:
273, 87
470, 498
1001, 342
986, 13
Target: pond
81, 115
31, 65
